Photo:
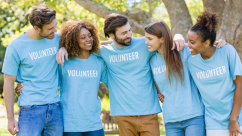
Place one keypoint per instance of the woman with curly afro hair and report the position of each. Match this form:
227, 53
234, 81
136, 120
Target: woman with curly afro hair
218, 76
80, 78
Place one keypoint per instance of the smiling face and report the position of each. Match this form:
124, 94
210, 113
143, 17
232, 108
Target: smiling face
154, 43
85, 40
123, 35
48, 31
195, 43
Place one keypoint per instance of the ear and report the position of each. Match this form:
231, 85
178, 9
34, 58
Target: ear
206, 43
161, 40
111, 35
36, 28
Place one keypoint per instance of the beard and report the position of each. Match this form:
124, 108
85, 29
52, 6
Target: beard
122, 41
48, 36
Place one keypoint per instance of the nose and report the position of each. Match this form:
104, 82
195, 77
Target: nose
129, 34
54, 30
188, 44
146, 42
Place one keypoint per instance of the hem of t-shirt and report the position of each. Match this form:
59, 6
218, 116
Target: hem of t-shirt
9, 73
83, 130
135, 114
186, 117
234, 77
38, 103
217, 128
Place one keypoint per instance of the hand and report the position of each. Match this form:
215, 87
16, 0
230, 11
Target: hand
220, 43
178, 42
61, 54
12, 123
161, 97
234, 128
18, 88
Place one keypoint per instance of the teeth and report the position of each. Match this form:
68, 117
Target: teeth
191, 50
149, 46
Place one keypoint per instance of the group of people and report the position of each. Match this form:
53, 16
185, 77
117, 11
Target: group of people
201, 85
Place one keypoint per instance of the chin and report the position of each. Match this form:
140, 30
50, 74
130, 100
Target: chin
151, 50
50, 37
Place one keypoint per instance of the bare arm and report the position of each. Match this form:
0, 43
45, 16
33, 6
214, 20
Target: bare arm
9, 102
160, 96
233, 126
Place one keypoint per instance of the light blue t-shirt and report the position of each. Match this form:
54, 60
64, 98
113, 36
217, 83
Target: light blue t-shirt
131, 87
214, 78
181, 102
79, 82
33, 62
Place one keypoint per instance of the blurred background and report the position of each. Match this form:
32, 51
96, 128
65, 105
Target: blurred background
180, 15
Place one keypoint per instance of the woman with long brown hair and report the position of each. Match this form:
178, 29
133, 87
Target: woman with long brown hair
183, 110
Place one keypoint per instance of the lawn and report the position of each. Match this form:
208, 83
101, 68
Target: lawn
4, 131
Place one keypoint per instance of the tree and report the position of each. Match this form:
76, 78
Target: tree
229, 11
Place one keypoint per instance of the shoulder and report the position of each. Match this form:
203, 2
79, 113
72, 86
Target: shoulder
138, 40
16, 42
227, 48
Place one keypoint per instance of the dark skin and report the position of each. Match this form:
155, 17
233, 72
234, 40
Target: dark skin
206, 50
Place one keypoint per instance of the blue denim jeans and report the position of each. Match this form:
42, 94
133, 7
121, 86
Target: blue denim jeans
191, 127
40, 120
90, 133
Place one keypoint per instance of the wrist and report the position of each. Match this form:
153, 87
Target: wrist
233, 119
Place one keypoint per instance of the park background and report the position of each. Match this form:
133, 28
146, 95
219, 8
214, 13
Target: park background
180, 15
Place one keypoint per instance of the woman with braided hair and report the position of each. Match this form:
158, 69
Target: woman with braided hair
218, 76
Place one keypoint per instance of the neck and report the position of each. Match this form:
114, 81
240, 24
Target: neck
33, 34
84, 54
208, 53
160, 50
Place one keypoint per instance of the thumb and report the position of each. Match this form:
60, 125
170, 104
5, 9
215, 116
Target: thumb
16, 127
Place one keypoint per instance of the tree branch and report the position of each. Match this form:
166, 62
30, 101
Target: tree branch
101, 11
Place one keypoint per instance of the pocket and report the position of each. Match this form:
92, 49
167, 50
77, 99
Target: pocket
58, 105
24, 108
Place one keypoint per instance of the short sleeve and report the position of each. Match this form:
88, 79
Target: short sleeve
104, 75
235, 66
11, 62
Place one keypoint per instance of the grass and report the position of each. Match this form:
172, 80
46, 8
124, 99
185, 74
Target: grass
4, 131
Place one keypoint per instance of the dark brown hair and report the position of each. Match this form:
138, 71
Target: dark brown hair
174, 66
41, 15
206, 26
69, 34
112, 22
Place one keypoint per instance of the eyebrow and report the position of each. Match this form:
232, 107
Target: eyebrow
125, 31
85, 34
52, 27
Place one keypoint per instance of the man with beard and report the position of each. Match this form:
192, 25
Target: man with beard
132, 93
30, 60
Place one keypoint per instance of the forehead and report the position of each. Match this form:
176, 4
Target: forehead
84, 31
123, 28
193, 35
50, 25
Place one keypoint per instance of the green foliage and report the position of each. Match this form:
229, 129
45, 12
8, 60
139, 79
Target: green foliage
105, 103
195, 7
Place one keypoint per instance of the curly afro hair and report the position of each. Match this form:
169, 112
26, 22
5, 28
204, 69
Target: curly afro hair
69, 33
206, 26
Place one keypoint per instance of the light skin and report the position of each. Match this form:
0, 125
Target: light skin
47, 31
197, 46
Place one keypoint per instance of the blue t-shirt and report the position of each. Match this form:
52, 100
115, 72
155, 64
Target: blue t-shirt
79, 82
214, 78
131, 87
33, 62
181, 102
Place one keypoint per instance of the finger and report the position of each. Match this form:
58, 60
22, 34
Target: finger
16, 127
177, 46
19, 94
174, 46
240, 132
11, 130
66, 56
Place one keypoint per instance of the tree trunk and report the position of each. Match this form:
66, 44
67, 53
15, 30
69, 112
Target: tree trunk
179, 15
231, 24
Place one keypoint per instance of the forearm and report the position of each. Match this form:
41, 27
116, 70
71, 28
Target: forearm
237, 103
9, 99
157, 88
